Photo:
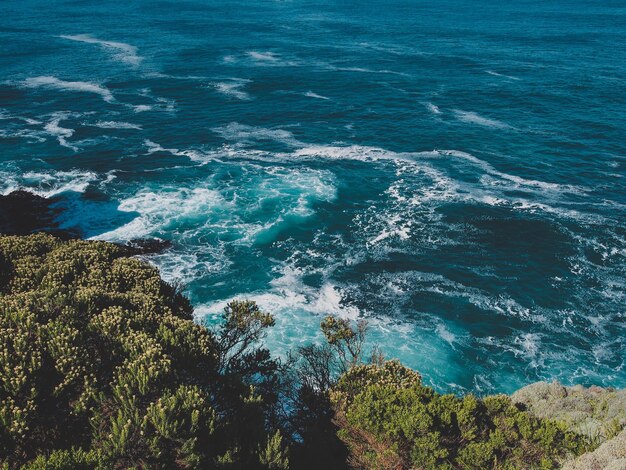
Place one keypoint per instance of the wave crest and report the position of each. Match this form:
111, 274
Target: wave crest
121, 51
55, 83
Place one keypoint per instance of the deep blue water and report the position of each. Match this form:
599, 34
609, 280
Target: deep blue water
453, 171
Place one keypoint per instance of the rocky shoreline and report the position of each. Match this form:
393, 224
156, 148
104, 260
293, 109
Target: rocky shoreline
23, 213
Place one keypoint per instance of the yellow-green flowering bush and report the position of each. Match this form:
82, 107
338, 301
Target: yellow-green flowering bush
101, 366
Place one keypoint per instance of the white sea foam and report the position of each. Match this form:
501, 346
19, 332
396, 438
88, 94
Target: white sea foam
437, 187
154, 147
141, 108
365, 70
398, 224
298, 308
182, 265
289, 291
351, 152
28, 134
233, 88
61, 133
496, 74
432, 108
157, 103
5, 115
169, 207
434, 185
115, 125
295, 305
446, 334
238, 213
311, 94
120, 50
57, 84
165, 104
530, 344
46, 183
273, 59
244, 134
395, 226
263, 59
508, 178
175, 77
263, 56
475, 118
53, 183
192, 154
310, 185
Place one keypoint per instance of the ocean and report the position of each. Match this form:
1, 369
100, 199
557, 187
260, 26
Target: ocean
452, 171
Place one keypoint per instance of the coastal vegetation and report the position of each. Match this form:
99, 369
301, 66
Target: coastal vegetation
102, 366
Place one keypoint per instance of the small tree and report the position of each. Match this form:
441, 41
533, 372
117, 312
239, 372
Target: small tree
243, 327
345, 339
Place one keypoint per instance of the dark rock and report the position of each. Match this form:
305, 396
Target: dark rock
22, 212
147, 246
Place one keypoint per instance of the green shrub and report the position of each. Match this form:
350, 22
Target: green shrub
389, 419
102, 366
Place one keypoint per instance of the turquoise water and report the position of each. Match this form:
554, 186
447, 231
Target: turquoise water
452, 171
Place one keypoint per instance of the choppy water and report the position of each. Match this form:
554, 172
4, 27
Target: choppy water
453, 171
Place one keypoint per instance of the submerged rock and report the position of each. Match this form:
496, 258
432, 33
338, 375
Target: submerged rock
23, 213
146, 246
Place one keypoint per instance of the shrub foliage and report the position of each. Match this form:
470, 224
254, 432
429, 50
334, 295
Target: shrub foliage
389, 420
102, 366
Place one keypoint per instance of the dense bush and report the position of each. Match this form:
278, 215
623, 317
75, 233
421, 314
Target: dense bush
102, 366
390, 420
